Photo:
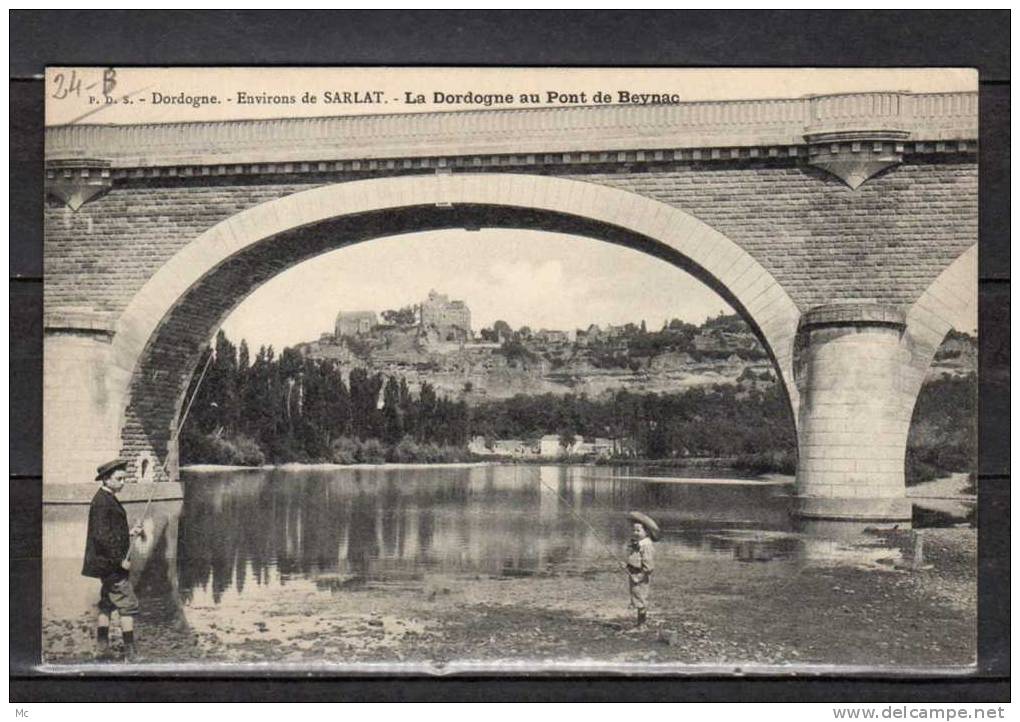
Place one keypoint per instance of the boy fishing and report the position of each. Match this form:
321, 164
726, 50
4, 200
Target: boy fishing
108, 544
641, 561
106, 558
640, 552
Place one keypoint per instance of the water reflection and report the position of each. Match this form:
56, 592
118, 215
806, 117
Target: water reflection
66, 594
238, 535
349, 527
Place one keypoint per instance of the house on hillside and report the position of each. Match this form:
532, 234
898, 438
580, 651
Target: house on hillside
597, 447
549, 447
354, 323
507, 448
551, 336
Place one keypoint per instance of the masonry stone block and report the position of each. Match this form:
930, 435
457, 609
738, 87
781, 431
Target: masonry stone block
757, 285
698, 241
659, 224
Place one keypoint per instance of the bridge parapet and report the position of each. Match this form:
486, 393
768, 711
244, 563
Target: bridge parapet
927, 116
584, 133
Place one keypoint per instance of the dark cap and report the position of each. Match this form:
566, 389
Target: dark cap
109, 467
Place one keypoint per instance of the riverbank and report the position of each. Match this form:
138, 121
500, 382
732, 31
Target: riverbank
719, 464
138, 492
329, 466
858, 605
768, 462
951, 496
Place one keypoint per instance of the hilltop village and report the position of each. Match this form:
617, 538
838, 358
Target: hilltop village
433, 341
421, 383
432, 344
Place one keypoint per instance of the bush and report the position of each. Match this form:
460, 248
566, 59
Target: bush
372, 451
237, 450
288, 450
924, 465
516, 353
247, 451
344, 450
405, 452
943, 430
767, 462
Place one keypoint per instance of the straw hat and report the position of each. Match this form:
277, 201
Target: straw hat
648, 522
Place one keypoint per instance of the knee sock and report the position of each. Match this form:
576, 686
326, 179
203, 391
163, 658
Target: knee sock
103, 635
129, 637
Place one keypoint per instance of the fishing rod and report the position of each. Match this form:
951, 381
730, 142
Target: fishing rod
176, 435
605, 545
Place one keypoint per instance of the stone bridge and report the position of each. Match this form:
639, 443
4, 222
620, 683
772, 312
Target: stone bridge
843, 228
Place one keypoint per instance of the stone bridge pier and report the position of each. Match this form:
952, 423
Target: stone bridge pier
843, 229
854, 412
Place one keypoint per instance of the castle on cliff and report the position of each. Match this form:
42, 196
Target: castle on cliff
439, 321
444, 320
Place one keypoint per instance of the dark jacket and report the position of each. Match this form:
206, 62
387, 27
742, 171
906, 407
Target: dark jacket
108, 539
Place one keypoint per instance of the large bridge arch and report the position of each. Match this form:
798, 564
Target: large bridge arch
161, 333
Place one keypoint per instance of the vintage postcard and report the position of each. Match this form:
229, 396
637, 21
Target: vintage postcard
512, 370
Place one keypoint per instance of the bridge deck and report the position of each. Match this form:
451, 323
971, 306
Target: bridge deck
577, 129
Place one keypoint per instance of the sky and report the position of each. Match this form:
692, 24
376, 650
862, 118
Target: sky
533, 278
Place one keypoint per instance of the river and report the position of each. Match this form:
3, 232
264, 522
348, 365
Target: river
254, 541
350, 527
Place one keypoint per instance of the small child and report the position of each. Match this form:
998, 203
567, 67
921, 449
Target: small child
641, 562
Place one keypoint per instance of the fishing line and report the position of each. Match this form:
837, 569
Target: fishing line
605, 545
176, 435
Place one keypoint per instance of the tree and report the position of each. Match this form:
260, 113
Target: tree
393, 426
406, 316
223, 384
243, 360
502, 330
364, 389
427, 407
408, 408
295, 408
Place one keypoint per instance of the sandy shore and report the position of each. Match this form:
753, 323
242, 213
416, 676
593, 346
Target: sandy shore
871, 609
947, 495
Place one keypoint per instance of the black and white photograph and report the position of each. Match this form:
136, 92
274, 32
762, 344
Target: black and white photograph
510, 370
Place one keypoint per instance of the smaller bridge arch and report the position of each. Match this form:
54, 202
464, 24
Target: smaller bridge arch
932, 316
